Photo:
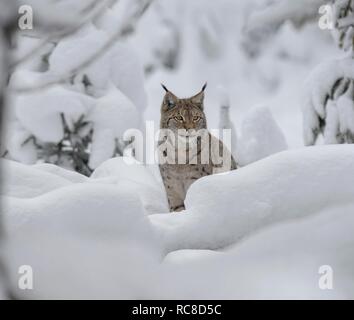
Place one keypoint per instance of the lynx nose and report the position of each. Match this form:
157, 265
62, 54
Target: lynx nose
187, 132
188, 127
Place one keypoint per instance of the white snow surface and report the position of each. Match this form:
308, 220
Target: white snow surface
81, 231
280, 262
136, 178
113, 114
39, 113
23, 181
221, 209
260, 136
262, 231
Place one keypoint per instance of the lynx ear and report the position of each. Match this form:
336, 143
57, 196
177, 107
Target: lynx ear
198, 99
170, 100
164, 88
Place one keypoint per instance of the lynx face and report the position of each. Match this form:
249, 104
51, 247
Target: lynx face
183, 116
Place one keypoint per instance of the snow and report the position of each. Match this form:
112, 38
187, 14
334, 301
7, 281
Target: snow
99, 225
72, 176
345, 106
39, 113
260, 136
224, 118
262, 231
280, 11
279, 262
135, 177
322, 79
18, 145
343, 20
79, 47
273, 79
54, 16
222, 209
23, 78
24, 48
128, 75
108, 93
113, 114
318, 87
2, 294
22, 181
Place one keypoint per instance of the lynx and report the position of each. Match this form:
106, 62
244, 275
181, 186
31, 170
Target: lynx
187, 150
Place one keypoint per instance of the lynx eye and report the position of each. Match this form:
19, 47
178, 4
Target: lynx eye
170, 104
196, 118
178, 118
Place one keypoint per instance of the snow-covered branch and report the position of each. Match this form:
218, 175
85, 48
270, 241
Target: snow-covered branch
346, 22
265, 21
298, 12
328, 107
92, 11
126, 28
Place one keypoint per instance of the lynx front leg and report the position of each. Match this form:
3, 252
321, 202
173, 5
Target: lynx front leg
174, 188
175, 200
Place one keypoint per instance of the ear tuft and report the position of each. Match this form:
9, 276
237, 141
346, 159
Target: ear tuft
164, 88
205, 85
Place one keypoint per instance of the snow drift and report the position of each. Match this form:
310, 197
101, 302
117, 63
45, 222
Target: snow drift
223, 208
274, 223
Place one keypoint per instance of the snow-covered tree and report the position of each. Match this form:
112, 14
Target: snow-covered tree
328, 108
7, 30
77, 90
266, 18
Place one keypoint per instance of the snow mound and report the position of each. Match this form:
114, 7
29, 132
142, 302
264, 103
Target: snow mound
222, 209
23, 181
280, 262
275, 223
101, 227
65, 209
135, 177
70, 175
260, 136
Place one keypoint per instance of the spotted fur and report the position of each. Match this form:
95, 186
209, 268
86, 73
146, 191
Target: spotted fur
186, 117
